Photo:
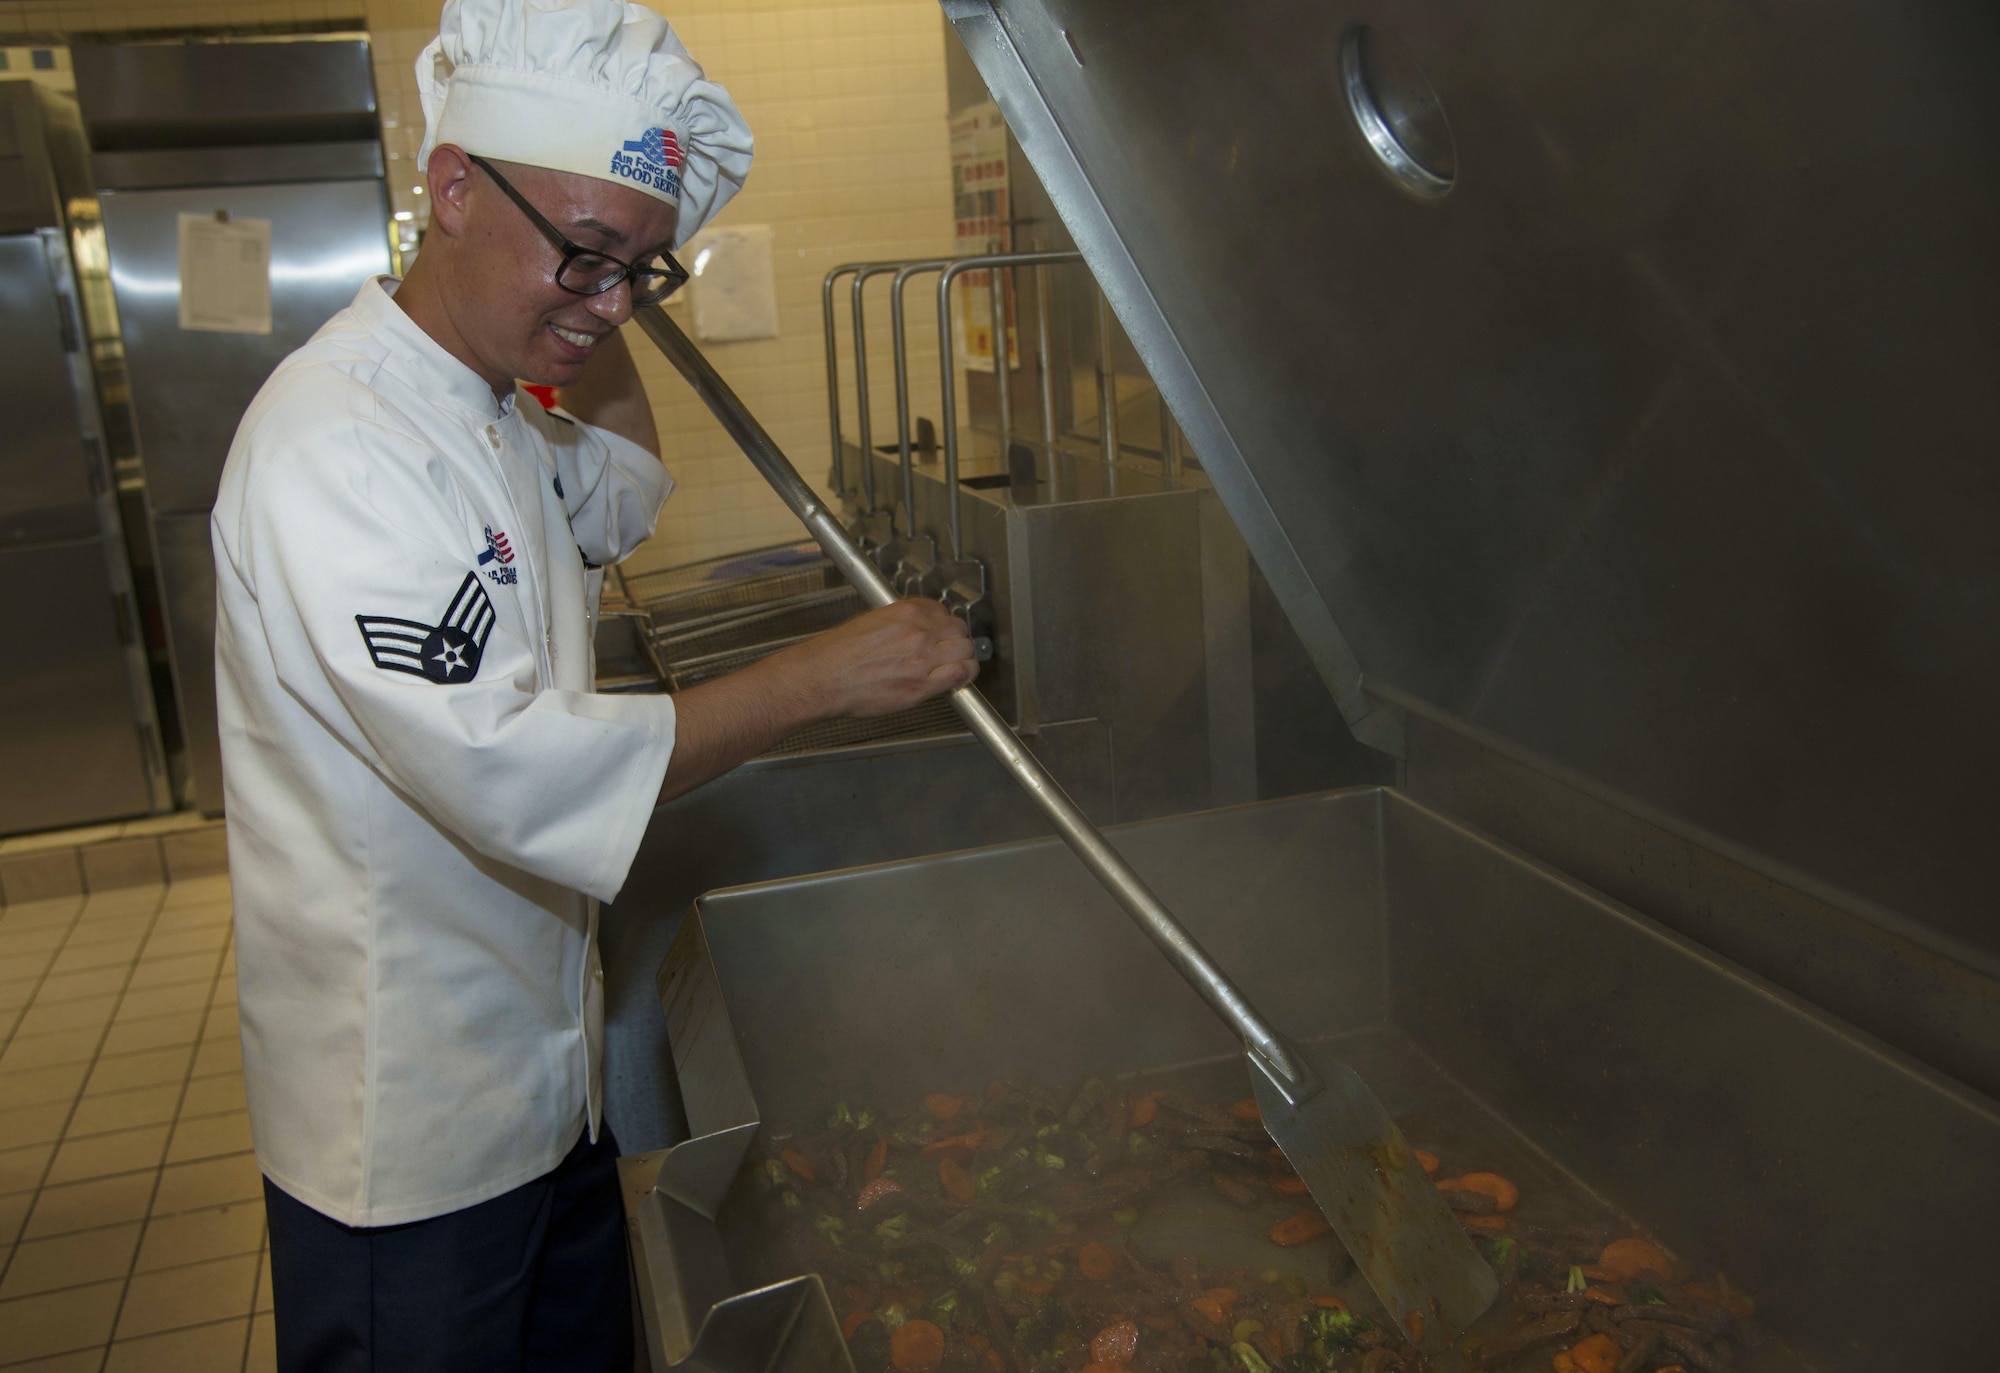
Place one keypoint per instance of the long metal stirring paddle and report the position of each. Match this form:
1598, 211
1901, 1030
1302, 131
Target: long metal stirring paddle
1359, 1168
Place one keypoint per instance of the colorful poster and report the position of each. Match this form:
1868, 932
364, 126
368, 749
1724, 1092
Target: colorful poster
981, 213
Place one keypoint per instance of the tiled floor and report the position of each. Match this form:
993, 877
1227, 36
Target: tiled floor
131, 1213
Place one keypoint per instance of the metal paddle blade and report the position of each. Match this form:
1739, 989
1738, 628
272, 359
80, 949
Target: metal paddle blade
1368, 1182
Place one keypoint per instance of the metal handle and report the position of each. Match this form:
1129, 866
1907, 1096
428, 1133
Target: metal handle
898, 332
948, 365
1125, 885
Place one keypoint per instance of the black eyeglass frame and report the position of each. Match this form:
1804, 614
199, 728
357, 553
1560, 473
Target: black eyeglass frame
676, 276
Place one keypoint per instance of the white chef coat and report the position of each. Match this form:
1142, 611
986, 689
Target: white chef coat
425, 801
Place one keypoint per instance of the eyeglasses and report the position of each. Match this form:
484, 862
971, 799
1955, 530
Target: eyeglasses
587, 272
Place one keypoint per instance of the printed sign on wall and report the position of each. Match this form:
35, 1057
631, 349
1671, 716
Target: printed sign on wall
225, 274
981, 215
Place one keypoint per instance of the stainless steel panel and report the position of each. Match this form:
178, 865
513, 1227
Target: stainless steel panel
208, 93
190, 388
187, 580
1853, 1192
45, 466
1941, 1010
1659, 446
164, 167
70, 750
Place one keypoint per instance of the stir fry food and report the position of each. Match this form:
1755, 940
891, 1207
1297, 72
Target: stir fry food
1020, 1231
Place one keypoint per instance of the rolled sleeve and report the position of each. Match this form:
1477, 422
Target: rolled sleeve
612, 488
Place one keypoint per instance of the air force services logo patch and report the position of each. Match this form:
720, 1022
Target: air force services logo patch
653, 159
447, 652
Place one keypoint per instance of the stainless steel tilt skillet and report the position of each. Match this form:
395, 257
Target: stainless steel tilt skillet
1361, 1171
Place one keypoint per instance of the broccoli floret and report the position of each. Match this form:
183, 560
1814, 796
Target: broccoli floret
894, 1228
1329, 1330
1247, 1358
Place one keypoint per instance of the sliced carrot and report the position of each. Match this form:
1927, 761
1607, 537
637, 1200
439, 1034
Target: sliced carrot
1095, 1262
1562, 1362
944, 1107
958, 1183
1504, 1193
1495, 1224
954, 1144
799, 1164
877, 1160
1290, 1185
1145, 1108
1306, 1225
1037, 1287
1246, 1109
1103, 1366
1628, 1258
1225, 1295
1598, 1354
916, 1347
1330, 1302
855, 1320
1413, 1322
875, 1191
1429, 1160
1209, 1307
1601, 1297
1115, 1343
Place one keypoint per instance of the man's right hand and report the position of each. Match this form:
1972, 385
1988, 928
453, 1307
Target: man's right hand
884, 660
877, 663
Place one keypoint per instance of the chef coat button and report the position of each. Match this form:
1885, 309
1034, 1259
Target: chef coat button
493, 435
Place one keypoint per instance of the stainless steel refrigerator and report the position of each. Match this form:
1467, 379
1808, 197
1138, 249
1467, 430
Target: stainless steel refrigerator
244, 133
79, 741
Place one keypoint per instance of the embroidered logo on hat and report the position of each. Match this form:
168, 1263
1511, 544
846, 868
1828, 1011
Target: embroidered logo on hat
653, 159
657, 146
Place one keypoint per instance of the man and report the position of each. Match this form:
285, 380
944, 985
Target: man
426, 802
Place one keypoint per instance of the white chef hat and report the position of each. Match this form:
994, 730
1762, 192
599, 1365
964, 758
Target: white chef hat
597, 87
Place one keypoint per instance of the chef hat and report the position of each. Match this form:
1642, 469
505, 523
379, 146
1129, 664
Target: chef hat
597, 87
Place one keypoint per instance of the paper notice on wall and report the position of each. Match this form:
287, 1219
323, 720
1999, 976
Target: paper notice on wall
225, 274
734, 287
981, 215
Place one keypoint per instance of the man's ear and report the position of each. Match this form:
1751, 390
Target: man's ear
449, 177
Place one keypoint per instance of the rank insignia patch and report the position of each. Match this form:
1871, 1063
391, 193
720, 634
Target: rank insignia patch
446, 652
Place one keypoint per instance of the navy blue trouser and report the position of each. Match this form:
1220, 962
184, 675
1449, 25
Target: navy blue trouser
530, 1282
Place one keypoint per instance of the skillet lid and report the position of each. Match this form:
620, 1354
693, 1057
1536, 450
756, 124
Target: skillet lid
1620, 383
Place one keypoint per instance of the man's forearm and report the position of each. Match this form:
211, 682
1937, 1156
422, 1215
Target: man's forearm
731, 720
610, 395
